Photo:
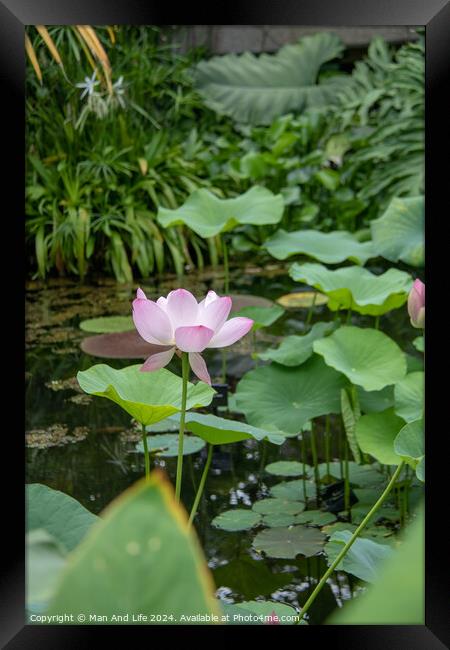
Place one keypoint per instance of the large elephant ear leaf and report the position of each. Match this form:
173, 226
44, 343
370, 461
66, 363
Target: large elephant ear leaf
257, 89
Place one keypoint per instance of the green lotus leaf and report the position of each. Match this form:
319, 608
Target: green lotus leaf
376, 432
208, 215
330, 247
375, 400
147, 396
294, 350
257, 89
420, 469
419, 343
409, 396
356, 288
278, 506
141, 539
289, 542
220, 431
62, 516
399, 234
286, 468
166, 445
293, 490
262, 316
45, 559
363, 475
108, 324
278, 519
363, 558
368, 357
315, 518
238, 519
410, 443
287, 398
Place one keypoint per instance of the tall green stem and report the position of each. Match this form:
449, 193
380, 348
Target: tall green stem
303, 451
185, 376
226, 269
350, 542
198, 496
146, 454
349, 316
377, 322
327, 443
315, 461
347, 482
310, 311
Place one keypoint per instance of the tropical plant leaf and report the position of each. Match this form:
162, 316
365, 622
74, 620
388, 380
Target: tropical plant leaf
363, 558
294, 350
399, 234
356, 288
368, 357
209, 216
276, 396
62, 516
409, 396
289, 542
142, 538
376, 433
258, 89
330, 248
147, 396
375, 400
238, 519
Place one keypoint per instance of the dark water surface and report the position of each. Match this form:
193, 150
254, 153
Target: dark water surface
84, 446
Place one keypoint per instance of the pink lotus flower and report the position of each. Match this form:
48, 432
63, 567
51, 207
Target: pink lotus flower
273, 619
182, 324
416, 305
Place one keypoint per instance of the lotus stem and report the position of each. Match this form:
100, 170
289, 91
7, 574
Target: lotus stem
377, 322
349, 316
350, 542
198, 496
327, 443
185, 376
226, 269
303, 446
310, 311
315, 461
146, 454
346, 482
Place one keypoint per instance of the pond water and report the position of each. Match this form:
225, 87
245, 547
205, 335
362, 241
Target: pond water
84, 446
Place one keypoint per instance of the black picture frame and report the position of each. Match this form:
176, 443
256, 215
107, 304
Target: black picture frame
434, 15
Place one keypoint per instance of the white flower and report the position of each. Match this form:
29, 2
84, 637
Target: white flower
88, 85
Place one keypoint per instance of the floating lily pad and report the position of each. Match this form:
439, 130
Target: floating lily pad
294, 350
108, 324
238, 519
329, 529
376, 432
278, 519
120, 345
166, 445
374, 401
315, 518
356, 288
62, 516
293, 490
286, 468
409, 396
278, 506
207, 215
399, 234
363, 559
287, 398
410, 443
262, 316
220, 431
362, 475
367, 357
147, 396
419, 343
289, 542
302, 300
330, 248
